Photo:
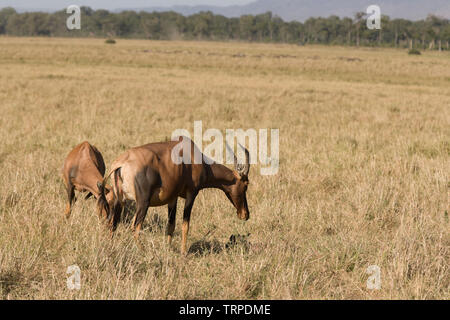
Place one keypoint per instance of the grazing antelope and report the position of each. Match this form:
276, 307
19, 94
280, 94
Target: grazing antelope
83, 168
148, 175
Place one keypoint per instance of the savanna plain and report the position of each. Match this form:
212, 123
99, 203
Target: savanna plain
363, 178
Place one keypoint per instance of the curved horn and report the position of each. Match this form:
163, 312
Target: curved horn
243, 169
232, 152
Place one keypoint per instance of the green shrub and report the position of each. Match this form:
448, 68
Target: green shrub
110, 41
414, 51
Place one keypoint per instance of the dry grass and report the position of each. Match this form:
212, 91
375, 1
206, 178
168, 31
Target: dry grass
364, 176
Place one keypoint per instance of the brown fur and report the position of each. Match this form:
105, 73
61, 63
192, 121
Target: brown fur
83, 169
147, 175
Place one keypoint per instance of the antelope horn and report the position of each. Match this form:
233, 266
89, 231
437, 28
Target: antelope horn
243, 169
232, 152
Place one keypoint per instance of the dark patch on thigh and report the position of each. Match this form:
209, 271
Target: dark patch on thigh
144, 182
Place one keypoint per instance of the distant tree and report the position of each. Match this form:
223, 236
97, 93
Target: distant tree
358, 22
28, 24
296, 32
446, 35
220, 28
246, 26
385, 21
150, 25
434, 25
5, 14
347, 24
263, 26
169, 25
202, 23
127, 24
234, 25
266, 27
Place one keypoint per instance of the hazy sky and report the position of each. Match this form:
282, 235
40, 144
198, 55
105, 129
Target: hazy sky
113, 4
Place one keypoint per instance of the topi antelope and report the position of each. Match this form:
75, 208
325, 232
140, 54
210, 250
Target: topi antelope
83, 168
148, 175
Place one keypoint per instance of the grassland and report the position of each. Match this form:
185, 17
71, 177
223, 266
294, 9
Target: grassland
364, 169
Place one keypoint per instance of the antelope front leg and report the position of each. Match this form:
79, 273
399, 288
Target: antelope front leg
71, 197
171, 220
186, 218
141, 212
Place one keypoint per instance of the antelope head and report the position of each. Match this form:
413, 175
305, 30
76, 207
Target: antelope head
237, 192
105, 200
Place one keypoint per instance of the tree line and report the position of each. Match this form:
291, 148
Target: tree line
431, 33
